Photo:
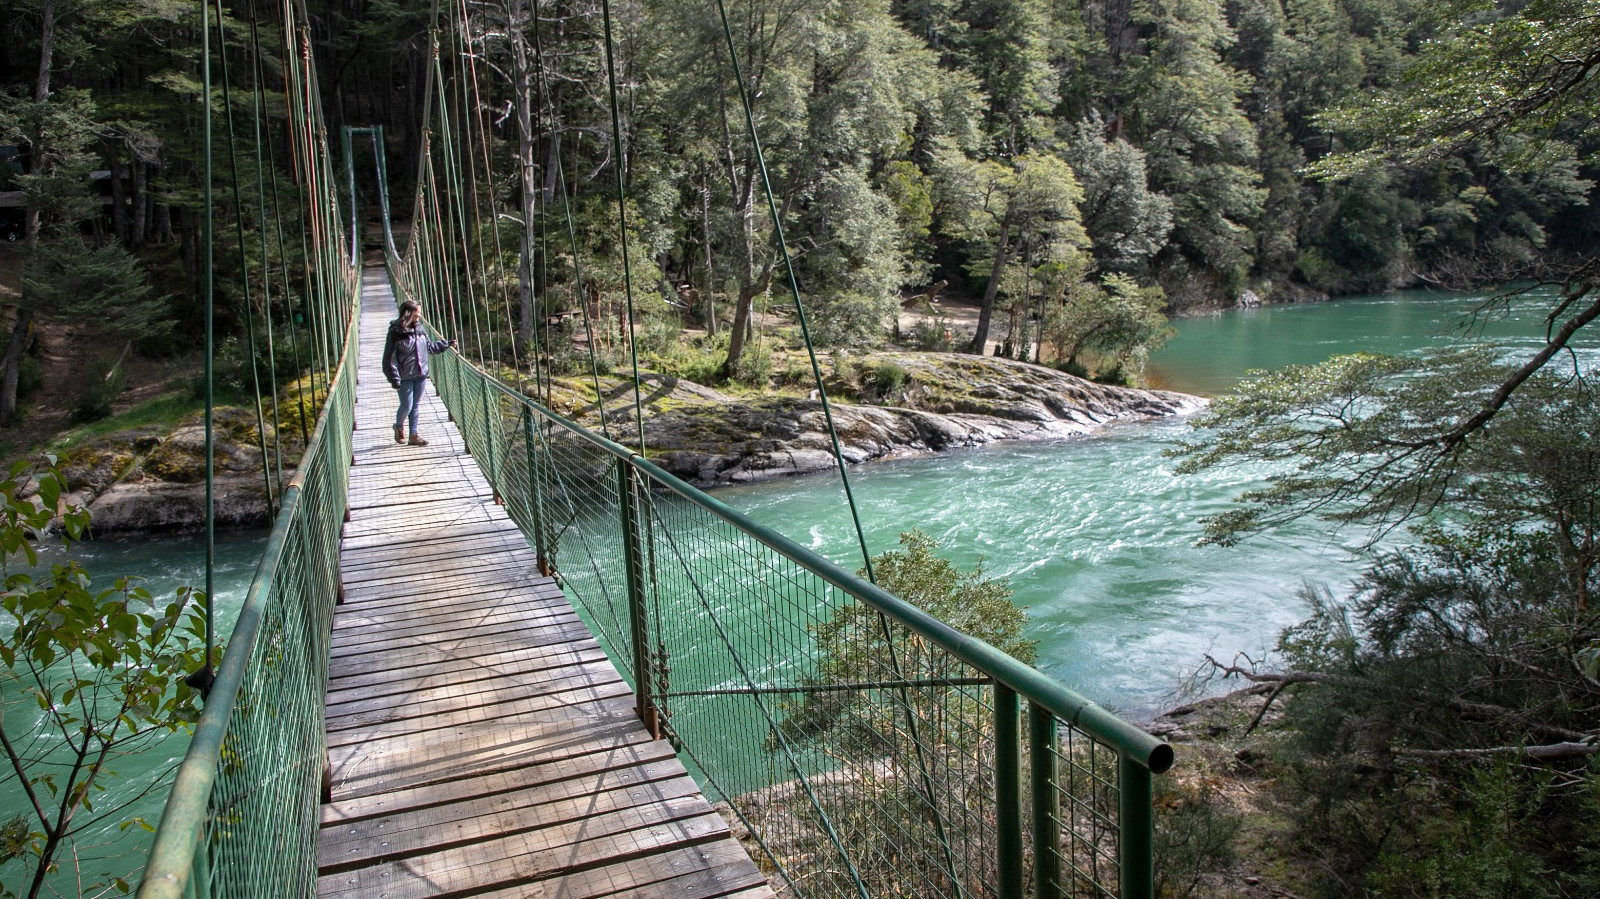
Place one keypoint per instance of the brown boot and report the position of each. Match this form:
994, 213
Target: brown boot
417, 441
399, 434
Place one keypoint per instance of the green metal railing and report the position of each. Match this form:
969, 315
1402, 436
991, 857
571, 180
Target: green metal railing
868, 748
242, 817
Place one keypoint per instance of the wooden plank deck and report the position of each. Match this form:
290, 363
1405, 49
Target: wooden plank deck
480, 742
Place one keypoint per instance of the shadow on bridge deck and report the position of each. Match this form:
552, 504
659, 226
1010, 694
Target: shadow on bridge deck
480, 741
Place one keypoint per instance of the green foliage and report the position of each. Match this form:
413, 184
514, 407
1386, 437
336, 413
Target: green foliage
1357, 438
1127, 222
887, 377
1477, 849
1195, 836
656, 335
1443, 721
1492, 74
881, 728
1187, 119
92, 674
851, 646
101, 386
235, 374
755, 365
934, 334
29, 377
1117, 321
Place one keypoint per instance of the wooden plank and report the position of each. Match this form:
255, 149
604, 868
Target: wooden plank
621, 763
448, 704
415, 757
405, 652
356, 770
535, 855
361, 535
360, 666
506, 619
415, 685
425, 580
356, 565
566, 700
538, 632
385, 681
473, 821
465, 613
693, 872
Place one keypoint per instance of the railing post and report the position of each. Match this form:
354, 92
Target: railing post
489, 427
1007, 793
455, 394
1046, 804
633, 556
1136, 826
535, 494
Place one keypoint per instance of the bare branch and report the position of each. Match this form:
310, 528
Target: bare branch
1551, 752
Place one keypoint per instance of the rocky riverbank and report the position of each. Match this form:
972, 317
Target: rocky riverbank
906, 403
938, 401
149, 481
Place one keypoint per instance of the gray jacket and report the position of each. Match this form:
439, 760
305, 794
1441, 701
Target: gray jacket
406, 352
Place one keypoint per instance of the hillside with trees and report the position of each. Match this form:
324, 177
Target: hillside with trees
1078, 169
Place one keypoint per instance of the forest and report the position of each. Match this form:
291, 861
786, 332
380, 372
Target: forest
1080, 170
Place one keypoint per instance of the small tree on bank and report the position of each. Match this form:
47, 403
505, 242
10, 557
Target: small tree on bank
92, 676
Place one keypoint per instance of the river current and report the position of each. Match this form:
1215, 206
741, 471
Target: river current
1097, 534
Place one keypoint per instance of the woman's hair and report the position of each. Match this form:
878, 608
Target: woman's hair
408, 306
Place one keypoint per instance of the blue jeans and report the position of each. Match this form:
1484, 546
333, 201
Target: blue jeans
410, 402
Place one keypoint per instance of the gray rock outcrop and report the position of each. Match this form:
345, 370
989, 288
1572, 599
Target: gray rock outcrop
950, 401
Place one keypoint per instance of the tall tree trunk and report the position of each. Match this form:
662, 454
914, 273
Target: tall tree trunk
739, 334
710, 280
141, 203
749, 287
521, 98
119, 197
41, 93
1002, 255
12, 365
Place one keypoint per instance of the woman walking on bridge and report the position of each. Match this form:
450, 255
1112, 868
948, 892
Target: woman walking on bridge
405, 364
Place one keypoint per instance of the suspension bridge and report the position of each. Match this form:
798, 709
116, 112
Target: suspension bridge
524, 660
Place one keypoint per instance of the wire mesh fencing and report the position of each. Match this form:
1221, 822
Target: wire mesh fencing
242, 818
862, 747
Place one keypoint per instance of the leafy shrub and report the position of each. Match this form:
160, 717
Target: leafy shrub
233, 374
657, 335
29, 376
933, 335
884, 379
755, 365
95, 671
101, 385
1195, 835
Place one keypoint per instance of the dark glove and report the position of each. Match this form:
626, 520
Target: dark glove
394, 385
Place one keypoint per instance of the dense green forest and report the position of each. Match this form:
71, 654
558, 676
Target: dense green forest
1080, 169
1086, 166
